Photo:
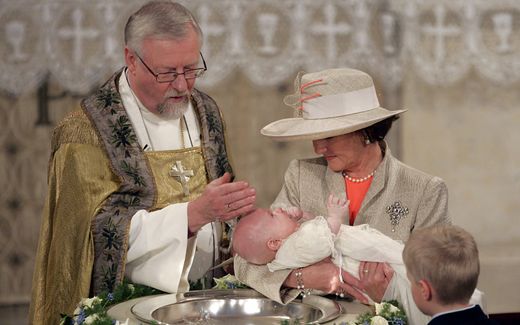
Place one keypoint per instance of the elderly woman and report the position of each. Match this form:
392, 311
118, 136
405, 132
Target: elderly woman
340, 114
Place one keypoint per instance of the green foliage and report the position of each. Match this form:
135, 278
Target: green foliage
290, 322
389, 310
93, 310
228, 282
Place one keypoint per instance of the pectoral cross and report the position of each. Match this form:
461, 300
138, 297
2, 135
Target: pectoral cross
177, 170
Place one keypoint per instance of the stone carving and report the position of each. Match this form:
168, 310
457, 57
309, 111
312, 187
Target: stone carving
440, 31
77, 33
329, 29
267, 26
15, 36
441, 39
502, 23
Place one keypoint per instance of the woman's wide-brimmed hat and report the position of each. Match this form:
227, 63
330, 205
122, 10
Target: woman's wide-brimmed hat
329, 103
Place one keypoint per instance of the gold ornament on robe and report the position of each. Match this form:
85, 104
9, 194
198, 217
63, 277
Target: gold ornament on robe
177, 187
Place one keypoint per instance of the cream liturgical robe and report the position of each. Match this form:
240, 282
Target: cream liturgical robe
158, 240
160, 253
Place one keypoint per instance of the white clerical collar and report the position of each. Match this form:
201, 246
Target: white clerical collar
154, 133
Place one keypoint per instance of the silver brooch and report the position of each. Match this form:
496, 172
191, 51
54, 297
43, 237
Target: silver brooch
396, 212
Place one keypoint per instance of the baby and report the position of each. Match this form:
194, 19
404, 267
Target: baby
290, 238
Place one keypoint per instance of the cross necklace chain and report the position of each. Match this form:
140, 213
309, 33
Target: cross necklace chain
177, 170
184, 129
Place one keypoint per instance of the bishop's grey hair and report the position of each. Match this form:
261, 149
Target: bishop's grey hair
162, 20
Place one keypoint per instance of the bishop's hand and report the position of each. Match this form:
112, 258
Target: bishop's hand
221, 200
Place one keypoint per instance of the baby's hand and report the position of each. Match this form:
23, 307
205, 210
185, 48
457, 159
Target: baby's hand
337, 208
337, 202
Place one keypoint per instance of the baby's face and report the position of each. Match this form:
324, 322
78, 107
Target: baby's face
282, 222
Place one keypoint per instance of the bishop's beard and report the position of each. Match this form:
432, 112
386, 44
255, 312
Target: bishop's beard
173, 111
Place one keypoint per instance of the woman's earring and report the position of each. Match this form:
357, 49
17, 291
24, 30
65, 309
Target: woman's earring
367, 140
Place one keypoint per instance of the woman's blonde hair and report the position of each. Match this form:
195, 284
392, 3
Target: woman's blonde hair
447, 257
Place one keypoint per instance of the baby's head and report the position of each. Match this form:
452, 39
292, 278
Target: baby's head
258, 235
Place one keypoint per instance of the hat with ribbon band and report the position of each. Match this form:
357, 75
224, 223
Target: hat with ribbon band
329, 103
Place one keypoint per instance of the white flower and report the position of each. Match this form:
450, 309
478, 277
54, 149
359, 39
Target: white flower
90, 319
380, 306
378, 320
131, 287
119, 323
88, 302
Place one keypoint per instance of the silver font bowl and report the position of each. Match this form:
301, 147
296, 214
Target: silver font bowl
230, 307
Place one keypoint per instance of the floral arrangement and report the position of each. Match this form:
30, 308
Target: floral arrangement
229, 282
93, 311
386, 313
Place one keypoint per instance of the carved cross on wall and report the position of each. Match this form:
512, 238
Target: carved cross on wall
183, 176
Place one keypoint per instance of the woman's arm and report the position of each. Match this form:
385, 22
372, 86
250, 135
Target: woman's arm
279, 285
325, 276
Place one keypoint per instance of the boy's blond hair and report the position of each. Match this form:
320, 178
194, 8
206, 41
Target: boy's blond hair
447, 257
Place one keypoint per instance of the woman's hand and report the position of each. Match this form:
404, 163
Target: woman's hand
325, 276
375, 278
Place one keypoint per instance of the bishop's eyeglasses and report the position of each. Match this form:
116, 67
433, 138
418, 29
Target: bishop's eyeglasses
171, 76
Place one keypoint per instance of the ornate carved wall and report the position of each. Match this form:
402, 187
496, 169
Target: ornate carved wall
77, 41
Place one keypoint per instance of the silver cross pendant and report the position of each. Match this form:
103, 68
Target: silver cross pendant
183, 176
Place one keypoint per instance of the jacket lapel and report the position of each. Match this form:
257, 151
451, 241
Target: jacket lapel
377, 186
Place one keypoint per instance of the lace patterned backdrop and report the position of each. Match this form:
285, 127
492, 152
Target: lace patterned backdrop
54, 51
77, 41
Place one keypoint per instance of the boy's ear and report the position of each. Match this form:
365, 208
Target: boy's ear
426, 290
274, 244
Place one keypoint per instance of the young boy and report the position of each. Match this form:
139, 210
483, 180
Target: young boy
442, 265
